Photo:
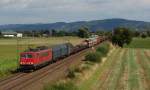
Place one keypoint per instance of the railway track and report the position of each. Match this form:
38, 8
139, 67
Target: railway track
11, 78
21, 80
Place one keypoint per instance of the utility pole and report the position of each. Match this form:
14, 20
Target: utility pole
17, 51
112, 32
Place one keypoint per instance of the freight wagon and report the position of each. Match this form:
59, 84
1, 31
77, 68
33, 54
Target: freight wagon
61, 51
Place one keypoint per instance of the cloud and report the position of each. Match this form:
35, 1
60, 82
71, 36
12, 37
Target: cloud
32, 11
14, 3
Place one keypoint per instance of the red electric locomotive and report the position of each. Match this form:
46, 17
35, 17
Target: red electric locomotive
34, 58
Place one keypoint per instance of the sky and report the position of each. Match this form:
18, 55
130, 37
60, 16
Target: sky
50, 11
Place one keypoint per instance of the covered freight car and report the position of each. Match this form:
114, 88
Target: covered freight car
61, 51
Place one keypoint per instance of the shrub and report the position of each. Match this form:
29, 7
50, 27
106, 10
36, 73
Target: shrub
104, 49
85, 66
71, 73
94, 57
61, 86
143, 35
78, 69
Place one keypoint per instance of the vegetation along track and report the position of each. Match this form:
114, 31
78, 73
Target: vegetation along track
21, 80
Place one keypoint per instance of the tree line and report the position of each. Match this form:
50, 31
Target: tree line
82, 32
119, 36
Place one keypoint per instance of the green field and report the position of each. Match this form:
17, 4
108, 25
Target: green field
9, 52
139, 43
125, 69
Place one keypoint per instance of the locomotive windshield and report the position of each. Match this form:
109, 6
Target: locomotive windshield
27, 56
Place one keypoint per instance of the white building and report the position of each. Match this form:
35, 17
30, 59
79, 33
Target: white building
12, 34
19, 35
9, 35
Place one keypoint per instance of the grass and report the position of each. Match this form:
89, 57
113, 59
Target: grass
61, 86
133, 71
139, 43
40, 41
145, 64
9, 54
118, 71
8, 59
8, 66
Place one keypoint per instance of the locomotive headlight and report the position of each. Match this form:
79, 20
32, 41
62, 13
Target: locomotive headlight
21, 62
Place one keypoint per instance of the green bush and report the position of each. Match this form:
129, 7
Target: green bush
61, 86
101, 51
94, 57
104, 49
71, 73
86, 66
78, 69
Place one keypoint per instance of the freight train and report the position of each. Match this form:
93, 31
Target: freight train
32, 59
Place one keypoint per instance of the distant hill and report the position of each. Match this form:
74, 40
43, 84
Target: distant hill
106, 24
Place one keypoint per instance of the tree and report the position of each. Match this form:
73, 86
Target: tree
136, 33
121, 36
144, 35
27, 33
61, 33
74, 33
0, 33
47, 33
148, 33
54, 32
83, 32
100, 33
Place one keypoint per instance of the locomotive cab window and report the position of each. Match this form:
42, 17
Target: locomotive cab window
27, 56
